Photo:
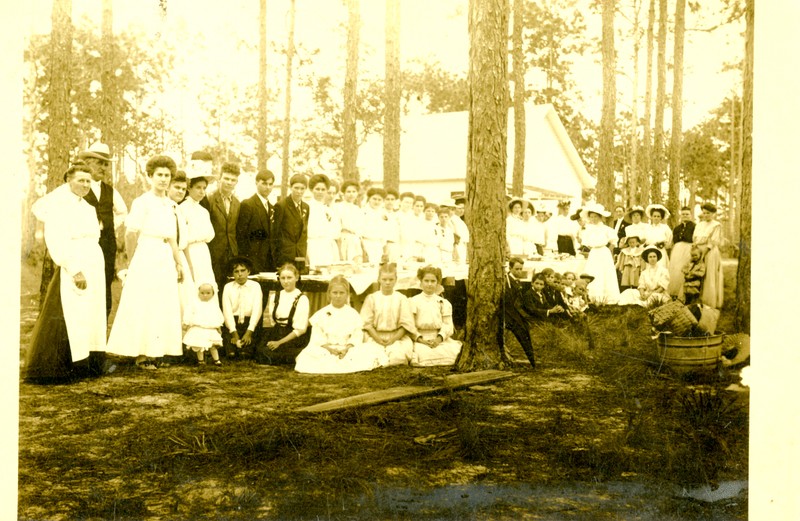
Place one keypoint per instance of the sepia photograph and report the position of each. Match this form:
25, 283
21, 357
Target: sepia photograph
398, 259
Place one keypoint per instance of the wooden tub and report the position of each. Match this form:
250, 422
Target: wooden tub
684, 353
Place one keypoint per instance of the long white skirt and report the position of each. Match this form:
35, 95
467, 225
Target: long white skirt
148, 320
632, 297
604, 289
187, 290
322, 251
85, 309
361, 357
443, 354
351, 247
397, 353
199, 259
681, 255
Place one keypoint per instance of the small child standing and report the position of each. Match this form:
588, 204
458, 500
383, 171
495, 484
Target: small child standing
693, 273
204, 321
241, 307
629, 262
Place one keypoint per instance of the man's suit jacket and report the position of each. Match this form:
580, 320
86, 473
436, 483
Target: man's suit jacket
253, 233
621, 230
289, 233
223, 245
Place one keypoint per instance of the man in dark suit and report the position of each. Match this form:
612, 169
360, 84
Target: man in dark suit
224, 212
518, 307
253, 227
289, 232
619, 224
108, 204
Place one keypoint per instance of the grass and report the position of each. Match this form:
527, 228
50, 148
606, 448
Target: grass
189, 443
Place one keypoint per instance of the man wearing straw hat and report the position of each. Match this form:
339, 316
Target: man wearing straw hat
109, 205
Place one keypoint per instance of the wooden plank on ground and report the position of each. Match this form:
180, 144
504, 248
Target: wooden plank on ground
450, 382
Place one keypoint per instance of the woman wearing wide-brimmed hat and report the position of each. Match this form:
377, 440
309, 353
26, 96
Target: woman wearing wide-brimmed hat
653, 282
599, 238
707, 236
637, 227
658, 233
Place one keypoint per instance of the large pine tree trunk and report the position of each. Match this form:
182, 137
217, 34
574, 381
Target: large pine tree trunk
631, 184
605, 161
57, 102
261, 148
646, 170
486, 169
391, 122
661, 87
287, 107
742, 313
676, 143
109, 115
350, 145
518, 63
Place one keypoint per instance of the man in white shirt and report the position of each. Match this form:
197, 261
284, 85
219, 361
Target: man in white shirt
109, 205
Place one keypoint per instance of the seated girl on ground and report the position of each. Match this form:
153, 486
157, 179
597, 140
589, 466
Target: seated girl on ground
289, 333
387, 318
336, 344
653, 283
433, 318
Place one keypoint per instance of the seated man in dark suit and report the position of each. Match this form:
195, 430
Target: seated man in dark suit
253, 226
289, 232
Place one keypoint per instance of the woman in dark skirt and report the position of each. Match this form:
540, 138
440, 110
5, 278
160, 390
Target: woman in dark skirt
72, 322
289, 312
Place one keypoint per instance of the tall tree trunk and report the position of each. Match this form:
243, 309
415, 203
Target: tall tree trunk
287, 107
109, 119
57, 100
350, 146
646, 171
261, 150
742, 312
391, 122
631, 186
486, 171
676, 143
605, 160
661, 86
735, 162
518, 63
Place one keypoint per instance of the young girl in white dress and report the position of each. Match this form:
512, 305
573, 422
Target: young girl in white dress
433, 319
387, 318
204, 320
186, 288
336, 343
629, 262
148, 321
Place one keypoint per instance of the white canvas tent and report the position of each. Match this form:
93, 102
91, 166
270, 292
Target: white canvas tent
433, 156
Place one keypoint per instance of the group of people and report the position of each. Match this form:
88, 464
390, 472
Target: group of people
635, 259
183, 242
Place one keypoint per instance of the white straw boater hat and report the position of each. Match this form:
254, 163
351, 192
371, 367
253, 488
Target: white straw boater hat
657, 206
594, 208
97, 151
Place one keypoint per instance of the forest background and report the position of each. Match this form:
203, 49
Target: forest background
25, 147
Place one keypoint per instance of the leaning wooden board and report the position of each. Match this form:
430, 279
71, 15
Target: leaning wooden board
450, 382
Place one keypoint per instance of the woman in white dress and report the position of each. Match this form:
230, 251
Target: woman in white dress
72, 321
636, 228
186, 287
351, 218
430, 236
658, 233
336, 346
373, 231
653, 283
707, 237
599, 238
148, 321
516, 230
199, 231
323, 229
433, 318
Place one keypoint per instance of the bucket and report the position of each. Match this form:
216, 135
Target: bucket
685, 353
